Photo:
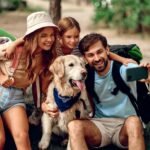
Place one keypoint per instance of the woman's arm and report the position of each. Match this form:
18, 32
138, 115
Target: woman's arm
10, 50
121, 59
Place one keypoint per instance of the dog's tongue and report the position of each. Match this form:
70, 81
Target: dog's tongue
79, 84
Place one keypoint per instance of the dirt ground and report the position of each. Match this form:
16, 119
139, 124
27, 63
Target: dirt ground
15, 22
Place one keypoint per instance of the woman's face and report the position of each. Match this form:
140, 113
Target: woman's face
46, 38
70, 38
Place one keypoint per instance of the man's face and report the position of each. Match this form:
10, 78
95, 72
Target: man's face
97, 56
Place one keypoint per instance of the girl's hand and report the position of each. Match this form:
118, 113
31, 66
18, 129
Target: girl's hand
52, 112
126, 61
7, 81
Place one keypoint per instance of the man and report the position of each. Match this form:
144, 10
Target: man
115, 120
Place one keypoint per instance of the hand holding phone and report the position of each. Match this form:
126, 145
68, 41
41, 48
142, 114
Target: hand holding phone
136, 73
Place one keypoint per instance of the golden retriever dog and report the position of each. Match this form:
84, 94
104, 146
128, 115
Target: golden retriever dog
67, 92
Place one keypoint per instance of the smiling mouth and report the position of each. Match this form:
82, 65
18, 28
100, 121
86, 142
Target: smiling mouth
77, 83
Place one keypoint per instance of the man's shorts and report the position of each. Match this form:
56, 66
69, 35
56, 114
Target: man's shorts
110, 129
10, 97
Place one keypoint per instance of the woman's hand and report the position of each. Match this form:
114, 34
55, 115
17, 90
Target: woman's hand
52, 112
7, 81
11, 49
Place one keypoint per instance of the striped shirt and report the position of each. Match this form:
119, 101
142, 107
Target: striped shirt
59, 51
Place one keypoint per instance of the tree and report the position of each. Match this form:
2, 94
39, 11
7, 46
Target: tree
126, 15
55, 10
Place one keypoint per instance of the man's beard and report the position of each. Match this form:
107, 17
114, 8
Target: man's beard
103, 67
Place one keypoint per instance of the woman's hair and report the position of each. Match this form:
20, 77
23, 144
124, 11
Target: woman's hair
67, 23
31, 44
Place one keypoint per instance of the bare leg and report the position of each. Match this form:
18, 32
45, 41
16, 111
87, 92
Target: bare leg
2, 134
17, 122
132, 134
83, 133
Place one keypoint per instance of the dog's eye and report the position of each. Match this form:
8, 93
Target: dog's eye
71, 64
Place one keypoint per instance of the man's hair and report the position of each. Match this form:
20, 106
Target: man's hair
91, 39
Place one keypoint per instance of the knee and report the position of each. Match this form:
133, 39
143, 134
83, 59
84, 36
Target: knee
75, 128
21, 136
133, 125
2, 141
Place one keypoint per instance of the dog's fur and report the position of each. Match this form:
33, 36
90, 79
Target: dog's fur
67, 70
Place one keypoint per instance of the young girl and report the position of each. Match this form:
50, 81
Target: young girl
69, 36
36, 55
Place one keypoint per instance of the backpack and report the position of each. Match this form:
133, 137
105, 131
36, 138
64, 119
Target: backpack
142, 103
128, 51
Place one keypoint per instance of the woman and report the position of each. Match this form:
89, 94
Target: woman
36, 55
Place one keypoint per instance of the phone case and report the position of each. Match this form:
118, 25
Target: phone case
136, 73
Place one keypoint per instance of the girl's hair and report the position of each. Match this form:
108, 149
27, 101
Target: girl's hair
31, 44
67, 23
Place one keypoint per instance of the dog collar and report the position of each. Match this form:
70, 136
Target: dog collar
65, 102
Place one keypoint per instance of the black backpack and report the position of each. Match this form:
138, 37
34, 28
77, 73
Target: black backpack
142, 103
128, 51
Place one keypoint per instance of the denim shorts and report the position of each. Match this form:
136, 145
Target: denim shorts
10, 97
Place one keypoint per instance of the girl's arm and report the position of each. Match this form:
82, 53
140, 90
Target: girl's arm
121, 59
10, 50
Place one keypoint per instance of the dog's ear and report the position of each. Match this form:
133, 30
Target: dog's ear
57, 68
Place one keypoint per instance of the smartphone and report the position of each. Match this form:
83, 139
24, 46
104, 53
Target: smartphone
136, 73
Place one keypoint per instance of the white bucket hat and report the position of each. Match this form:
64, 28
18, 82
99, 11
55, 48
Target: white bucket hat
38, 20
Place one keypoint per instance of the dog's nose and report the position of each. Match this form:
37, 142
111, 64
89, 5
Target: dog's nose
84, 73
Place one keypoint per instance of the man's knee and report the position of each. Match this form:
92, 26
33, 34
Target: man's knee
75, 127
133, 125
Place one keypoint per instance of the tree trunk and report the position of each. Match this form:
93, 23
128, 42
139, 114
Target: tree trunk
55, 10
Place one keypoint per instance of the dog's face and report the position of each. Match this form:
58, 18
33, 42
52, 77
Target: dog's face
70, 70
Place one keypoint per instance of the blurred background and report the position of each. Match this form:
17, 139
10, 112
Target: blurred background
121, 21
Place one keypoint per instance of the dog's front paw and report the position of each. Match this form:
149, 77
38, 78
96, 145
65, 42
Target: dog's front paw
43, 144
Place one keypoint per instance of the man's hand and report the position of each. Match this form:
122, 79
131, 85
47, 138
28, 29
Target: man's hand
143, 64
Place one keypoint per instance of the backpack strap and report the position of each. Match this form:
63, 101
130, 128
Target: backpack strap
122, 86
15, 61
89, 82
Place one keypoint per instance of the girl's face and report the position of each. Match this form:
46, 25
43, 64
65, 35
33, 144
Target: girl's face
46, 38
70, 38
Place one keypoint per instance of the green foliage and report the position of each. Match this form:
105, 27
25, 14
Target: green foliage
127, 15
9, 4
102, 12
